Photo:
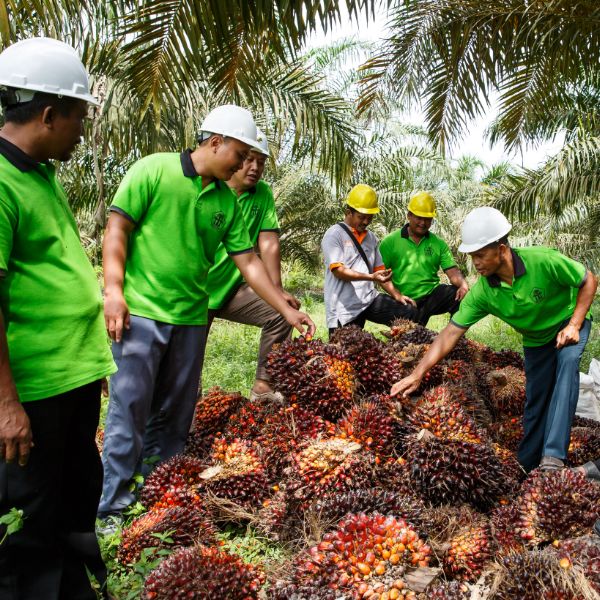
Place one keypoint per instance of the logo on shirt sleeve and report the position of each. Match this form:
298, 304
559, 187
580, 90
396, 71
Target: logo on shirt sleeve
218, 220
537, 295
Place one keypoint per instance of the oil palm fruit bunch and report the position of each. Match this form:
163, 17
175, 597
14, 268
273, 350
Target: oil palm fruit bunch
507, 538
448, 471
583, 552
534, 575
510, 463
284, 431
284, 590
506, 391
179, 526
465, 392
556, 505
276, 519
100, 439
508, 432
332, 507
445, 418
399, 327
237, 473
584, 445
374, 368
371, 425
328, 465
248, 421
417, 335
468, 552
211, 414
585, 422
173, 483
366, 554
449, 590
315, 375
203, 572
506, 358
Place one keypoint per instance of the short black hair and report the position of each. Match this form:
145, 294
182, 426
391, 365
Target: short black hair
502, 240
349, 208
23, 112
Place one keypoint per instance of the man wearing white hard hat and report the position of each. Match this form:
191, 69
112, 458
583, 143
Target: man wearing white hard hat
54, 350
546, 297
168, 218
230, 297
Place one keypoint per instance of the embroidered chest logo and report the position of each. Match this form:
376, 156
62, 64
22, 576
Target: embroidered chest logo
255, 209
428, 251
537, 295
218, 220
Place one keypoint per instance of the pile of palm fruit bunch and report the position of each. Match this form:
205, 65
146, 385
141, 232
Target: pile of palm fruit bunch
370, 496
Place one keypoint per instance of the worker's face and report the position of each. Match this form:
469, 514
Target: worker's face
229, 155
488, 260
419, 226
251, 172
64, 133
358, 221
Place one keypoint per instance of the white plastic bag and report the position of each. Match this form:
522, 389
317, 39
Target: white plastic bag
588, 405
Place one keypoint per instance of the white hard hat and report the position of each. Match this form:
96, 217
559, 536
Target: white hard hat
481, 227
44, 65
262, 145
232, 121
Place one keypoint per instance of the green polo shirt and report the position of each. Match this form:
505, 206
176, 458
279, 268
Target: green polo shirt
543, 295
178, 229
49, 294
224, 278
415, 267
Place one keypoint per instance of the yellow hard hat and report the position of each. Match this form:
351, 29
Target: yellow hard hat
422, 204
363, 198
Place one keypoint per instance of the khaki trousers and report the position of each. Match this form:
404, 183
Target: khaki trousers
248, 308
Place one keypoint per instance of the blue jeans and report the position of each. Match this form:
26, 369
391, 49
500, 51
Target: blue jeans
552, 391
152, 401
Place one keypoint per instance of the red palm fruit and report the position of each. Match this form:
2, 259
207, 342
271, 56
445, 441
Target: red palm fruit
445, 418
507, 432
314, 375
203, 572
173, 483
212, 411
180, 526
510, 463
247, 422
329, 465
583, 552
584, 445
236, 474
468, 553
450, 590
100, 439
507, 391
504, 521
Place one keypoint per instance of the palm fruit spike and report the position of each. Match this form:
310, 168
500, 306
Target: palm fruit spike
450, 590
327, 465
332, 507
584, 445
364, 555
248, 421
583, 552
212, 411
315, 375
536, 575
447, 471
371, 425
507, 432
469, 551
507, 391
203, 572
510, 463
399, 327
374, 369
556, 505
438, 412
184, 526
237, 474
173, 483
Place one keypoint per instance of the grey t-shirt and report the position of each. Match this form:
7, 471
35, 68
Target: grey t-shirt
345, 300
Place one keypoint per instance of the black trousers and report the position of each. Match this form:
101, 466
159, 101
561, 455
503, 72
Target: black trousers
58, 491
383, 310
441, 300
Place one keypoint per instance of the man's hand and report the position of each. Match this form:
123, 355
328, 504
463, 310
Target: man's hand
405, 300
116, 315
15, 431
462, 290
298, 320
382, 276
406, 386
291, 300
567, 336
